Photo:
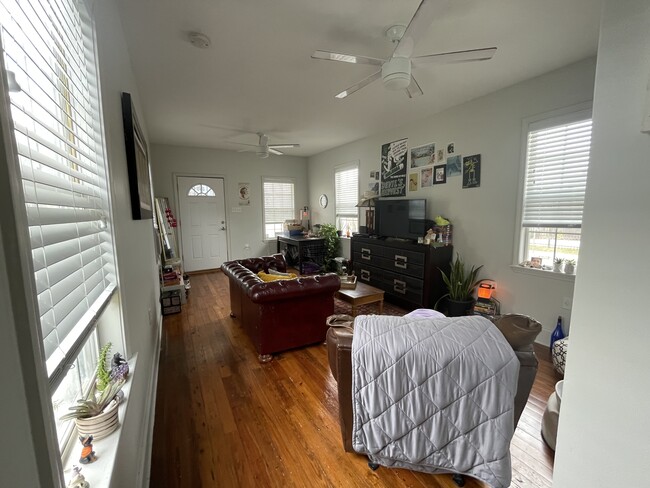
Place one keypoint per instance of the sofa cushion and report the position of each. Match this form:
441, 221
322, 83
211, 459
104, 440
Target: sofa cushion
276, 277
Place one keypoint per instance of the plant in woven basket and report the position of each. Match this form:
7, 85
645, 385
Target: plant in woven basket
95, 404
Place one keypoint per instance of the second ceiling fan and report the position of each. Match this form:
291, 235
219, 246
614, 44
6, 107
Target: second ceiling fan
395, 71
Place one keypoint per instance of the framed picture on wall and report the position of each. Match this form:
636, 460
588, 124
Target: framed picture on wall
137, 160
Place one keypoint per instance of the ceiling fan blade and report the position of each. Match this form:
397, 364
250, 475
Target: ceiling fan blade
418, 26
245, 150
414, 90
283, 146
241, 144
347, 58
274, 151
456, 56
361, 84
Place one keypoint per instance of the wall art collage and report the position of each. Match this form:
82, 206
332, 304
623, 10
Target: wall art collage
429, 164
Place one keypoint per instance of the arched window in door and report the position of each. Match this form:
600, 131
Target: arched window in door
201, 191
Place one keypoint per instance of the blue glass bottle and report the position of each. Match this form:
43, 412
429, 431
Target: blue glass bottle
558, 333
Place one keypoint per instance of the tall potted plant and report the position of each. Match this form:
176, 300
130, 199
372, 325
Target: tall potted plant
332, 245
461, 284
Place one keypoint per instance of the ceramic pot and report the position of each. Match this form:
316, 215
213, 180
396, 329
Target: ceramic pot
456, 308
569, 268
557, 267
100, 425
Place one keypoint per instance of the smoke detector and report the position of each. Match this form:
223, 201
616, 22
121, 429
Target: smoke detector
199, 40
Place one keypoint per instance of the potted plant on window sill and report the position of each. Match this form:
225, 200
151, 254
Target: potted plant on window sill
460, 285
557, 265
570, 266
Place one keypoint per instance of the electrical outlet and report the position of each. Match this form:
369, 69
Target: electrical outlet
567, 302
236, 210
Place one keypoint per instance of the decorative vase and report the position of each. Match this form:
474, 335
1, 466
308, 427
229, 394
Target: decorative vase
557, 267
569, 268
459, 308
100, 425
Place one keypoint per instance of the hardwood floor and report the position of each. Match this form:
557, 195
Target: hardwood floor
225, 420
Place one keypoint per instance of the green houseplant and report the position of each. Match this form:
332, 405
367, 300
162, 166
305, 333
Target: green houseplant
461, 284
332, 246
102, 374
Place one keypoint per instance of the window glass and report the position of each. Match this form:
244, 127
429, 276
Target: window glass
557, 162
200, 191
346, 182
279, 206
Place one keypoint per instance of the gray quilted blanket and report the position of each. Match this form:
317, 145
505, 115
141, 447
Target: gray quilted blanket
434, 395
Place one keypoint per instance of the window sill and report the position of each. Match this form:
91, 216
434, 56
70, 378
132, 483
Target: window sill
543, 273
99, 473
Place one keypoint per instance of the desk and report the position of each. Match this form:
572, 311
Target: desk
299, 250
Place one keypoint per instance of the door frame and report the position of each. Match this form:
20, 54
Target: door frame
177, 205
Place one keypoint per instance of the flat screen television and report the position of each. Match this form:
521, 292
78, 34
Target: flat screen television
405, 219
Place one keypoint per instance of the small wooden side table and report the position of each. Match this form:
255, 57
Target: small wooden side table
362, 295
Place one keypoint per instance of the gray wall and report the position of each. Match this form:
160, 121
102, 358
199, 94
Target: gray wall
484, 218
604, 421
245, 227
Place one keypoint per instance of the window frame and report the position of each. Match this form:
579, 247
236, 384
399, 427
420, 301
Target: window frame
275, 179
338, 169
48, 384
547, 119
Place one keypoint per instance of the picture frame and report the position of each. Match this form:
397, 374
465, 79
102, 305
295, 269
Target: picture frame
137, 160
440, 174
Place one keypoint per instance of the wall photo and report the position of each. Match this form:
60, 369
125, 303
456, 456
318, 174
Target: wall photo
472, 171
424, 155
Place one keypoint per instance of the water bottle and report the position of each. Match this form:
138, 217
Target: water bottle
558, 333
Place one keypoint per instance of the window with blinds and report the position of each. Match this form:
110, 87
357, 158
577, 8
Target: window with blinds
557, 161
346, 184
58, 134
278, 205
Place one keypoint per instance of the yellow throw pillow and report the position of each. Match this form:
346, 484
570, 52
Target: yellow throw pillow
272, 277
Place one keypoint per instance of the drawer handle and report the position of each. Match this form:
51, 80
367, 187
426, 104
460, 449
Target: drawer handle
365, 253
400, 261
365, 275
399, 286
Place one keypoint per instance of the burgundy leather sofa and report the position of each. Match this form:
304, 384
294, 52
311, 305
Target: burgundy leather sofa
519, 330
279, 315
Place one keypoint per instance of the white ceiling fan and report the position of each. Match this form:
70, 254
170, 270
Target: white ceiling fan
395, 72
263, 148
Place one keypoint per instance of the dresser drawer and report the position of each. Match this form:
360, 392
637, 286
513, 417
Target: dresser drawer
401, 265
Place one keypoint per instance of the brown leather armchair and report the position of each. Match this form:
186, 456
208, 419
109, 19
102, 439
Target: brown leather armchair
279, 315
519, 330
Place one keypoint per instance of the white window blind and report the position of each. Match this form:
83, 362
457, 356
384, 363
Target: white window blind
346, 183
57, 129
278, 206
557, 161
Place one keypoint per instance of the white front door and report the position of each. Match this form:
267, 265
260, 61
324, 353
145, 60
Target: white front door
202, 222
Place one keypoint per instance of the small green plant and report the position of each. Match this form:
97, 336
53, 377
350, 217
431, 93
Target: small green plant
94, 405
103, 375
332, 244
572, 262
558, 260
460, 282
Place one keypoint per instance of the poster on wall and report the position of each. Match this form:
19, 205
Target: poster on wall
423, 155
454, 164
393, 168
244, 194
413, 181
472, 171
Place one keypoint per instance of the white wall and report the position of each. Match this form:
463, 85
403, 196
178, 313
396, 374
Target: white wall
244, 228
484, 218
604, 419
136, 265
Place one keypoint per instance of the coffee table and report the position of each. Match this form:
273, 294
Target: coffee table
362, 295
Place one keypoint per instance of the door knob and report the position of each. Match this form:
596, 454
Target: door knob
223, 227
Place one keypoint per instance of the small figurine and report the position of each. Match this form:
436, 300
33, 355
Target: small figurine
119, 367
429, 237
78, 480
87, 453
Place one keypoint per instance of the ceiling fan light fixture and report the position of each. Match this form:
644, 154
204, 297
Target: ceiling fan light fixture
262, 153
396, 73
199, 40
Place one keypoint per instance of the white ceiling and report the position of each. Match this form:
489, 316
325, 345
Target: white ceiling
258, 74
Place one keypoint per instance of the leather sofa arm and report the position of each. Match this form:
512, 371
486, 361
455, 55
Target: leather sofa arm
283, 289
